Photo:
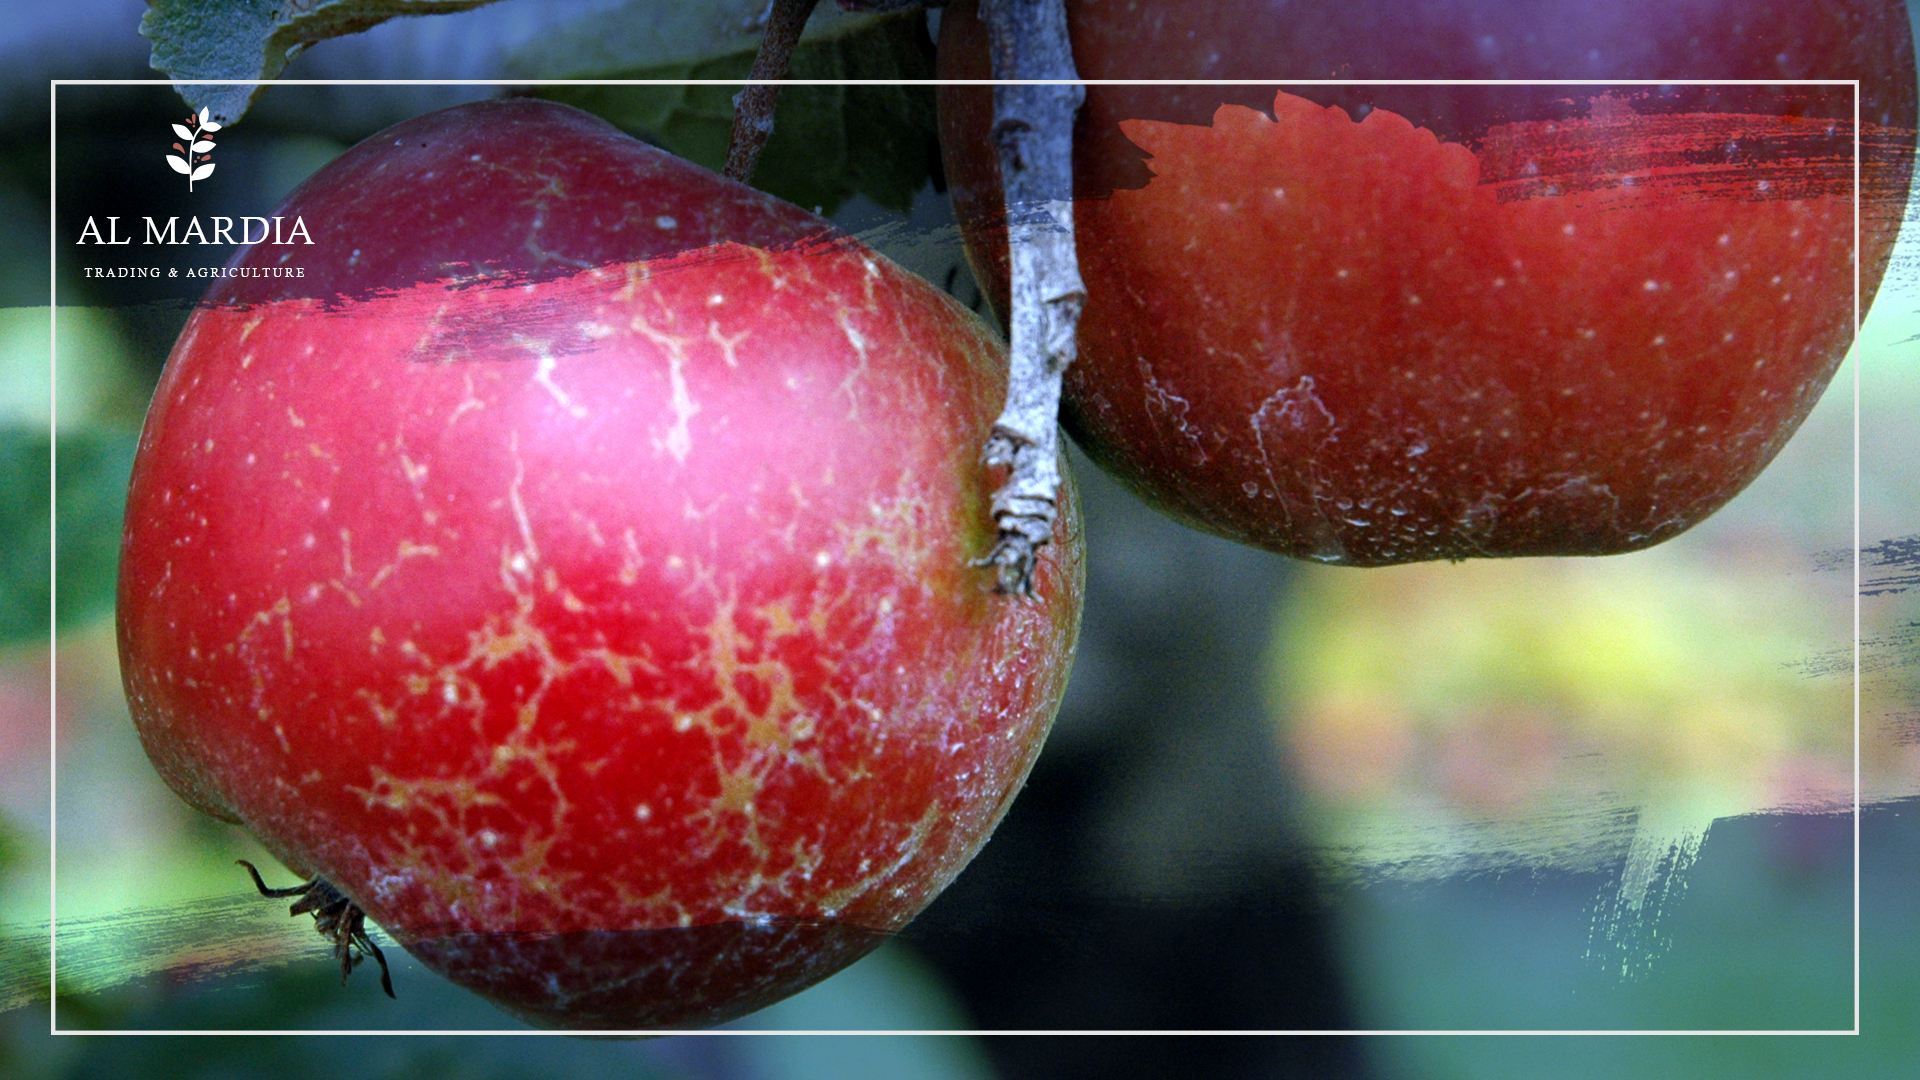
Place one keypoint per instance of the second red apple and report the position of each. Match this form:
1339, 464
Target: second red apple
1372, 325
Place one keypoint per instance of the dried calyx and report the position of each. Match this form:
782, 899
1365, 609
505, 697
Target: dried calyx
337, 918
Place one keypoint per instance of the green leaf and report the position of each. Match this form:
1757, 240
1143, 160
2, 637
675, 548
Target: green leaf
829, 142
254, 39
93, 469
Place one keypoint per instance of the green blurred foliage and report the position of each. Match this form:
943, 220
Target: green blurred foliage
829, 143
1756, 936
91, 493
92, 468
1763, 933
26, 541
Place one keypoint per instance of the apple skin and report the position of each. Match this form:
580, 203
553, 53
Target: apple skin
1479, 321
572, 568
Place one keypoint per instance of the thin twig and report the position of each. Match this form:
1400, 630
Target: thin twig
1033, 129
753, 105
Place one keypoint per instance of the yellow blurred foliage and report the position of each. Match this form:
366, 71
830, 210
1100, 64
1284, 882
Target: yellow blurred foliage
1529, 696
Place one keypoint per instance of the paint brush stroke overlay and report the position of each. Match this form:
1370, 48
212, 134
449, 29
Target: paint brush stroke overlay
189, 942
1886, 568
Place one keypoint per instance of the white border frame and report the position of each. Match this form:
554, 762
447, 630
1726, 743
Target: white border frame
53, 966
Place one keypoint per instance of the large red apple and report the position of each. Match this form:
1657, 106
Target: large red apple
1380, 324
571, 568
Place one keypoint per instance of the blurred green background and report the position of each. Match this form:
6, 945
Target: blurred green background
1603, 795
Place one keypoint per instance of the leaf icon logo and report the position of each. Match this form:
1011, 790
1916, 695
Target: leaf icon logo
195, 160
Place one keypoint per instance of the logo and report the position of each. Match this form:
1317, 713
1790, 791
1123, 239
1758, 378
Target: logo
194, 162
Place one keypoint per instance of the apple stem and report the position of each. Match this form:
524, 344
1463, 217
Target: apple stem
1033, 129
753, 105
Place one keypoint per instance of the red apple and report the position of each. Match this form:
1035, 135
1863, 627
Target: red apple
571, 568
1382, 324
